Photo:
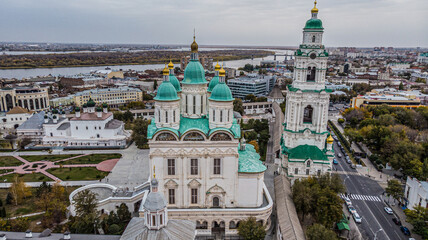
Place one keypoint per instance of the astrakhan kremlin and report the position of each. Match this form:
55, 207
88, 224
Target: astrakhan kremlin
204, 168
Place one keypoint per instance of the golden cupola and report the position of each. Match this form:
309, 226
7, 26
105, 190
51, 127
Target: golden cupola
330, 139
217, 67
315, 9
194, 45
165, 71
170, 65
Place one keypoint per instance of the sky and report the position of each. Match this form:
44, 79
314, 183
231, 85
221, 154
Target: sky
347, 23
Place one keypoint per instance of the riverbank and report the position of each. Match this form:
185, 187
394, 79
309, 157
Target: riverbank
11, 62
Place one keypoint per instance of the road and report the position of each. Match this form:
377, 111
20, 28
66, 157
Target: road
366, 198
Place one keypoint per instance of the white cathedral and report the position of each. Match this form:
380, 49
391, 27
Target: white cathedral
206, 173
306, 145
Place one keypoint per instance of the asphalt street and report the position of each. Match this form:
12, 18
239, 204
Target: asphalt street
365, 196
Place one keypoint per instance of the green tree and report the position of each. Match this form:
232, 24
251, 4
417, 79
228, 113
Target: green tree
251, 230
248, 67
419, 219
237, 106
401, 86
155, 85
3, 212
139, 132
353, 135
394, 189
128, 116
319, 232
303, 198
251, 98
87, 215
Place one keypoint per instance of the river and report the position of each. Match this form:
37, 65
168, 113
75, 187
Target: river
68, 71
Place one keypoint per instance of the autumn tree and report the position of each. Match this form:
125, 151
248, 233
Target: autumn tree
419, 219
255, 144
87, 215
19, 190
394, 189
319, 232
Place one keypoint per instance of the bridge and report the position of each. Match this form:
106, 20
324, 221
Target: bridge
286, 56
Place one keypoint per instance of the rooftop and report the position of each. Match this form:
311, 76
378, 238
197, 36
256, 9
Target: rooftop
34, 122
175, 229
92, 117
106, 90
18, 110
249, 160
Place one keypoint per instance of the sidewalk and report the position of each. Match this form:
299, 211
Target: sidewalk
64, 183
355, 232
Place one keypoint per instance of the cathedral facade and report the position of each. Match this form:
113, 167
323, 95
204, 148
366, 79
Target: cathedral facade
206, 171
306, 145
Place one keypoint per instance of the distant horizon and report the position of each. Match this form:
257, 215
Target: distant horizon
206, 45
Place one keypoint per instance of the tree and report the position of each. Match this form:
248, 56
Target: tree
341, 120
128, 116
255, 144
248, 67
19, 190
3, 212
401, 86
251, 230
147, 97
237, 106
9, 198
419, 219
155, 85
302, 198
87, 215
353, 135
1, 203
250, 97
139, 132
319, 232
394, 189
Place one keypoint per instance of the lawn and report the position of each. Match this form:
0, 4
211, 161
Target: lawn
92, 158
78, 173
9, 161
51, 158
31, 177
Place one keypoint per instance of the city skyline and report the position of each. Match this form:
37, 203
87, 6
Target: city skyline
252, 23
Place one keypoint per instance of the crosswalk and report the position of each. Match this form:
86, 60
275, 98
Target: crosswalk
361, 197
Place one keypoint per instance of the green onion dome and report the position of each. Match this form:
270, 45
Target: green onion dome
213, 83
314, 23
174, 81
194, 73
221, 92
77, 109
91, 103
55, 111
85, 105
166, 92
99, 109
105, 105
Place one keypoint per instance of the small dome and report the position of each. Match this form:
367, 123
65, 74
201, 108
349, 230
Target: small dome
85, 105
221, 92
314, 24
194, 46
222, 73
99, 109
77, 109
105, 105
166, 92
330, 139
91, 103
154, 182
213, 83
165, 71
217, 67
55, 111
170, 65
174, 81
194, 73
154, 202
54, 117
46, 116
315, 9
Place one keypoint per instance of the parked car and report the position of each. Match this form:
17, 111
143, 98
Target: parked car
388, 210
339, 155
353, 166
347, 201
357, 217
340, 145
405, 230
335, 162
396, 221
348, 160
351, 209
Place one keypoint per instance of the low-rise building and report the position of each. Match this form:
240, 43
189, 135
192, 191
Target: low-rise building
373, 99
276, 95
416, 193
62, 101
256, 107
94, 127
15, 117
422, 58
31, 98
32, 128
114, 97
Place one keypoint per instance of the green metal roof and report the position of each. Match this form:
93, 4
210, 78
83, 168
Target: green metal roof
197, 124
166, 92
174, 81
213, 83
194, 73
221, 92
314, 23
249, 160
307, 152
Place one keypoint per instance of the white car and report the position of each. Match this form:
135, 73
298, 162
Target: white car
347, 201
388, 210
351, 209
357, 217
339, 155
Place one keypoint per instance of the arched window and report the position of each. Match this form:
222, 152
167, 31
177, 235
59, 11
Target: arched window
216, 202
311, 74
221, 137
221, 115
194, 136
166, 116
202, 104
173, 115
308, 163
165, 137
307, 114
213, 115
313, 38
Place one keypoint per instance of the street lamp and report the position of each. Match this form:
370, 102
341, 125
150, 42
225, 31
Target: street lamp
344, 180
375, 235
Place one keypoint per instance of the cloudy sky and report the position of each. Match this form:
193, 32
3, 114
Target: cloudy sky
360, 23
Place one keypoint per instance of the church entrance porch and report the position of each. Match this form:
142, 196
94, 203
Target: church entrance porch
218, 229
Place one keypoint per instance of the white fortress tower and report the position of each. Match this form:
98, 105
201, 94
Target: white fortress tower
306, 144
